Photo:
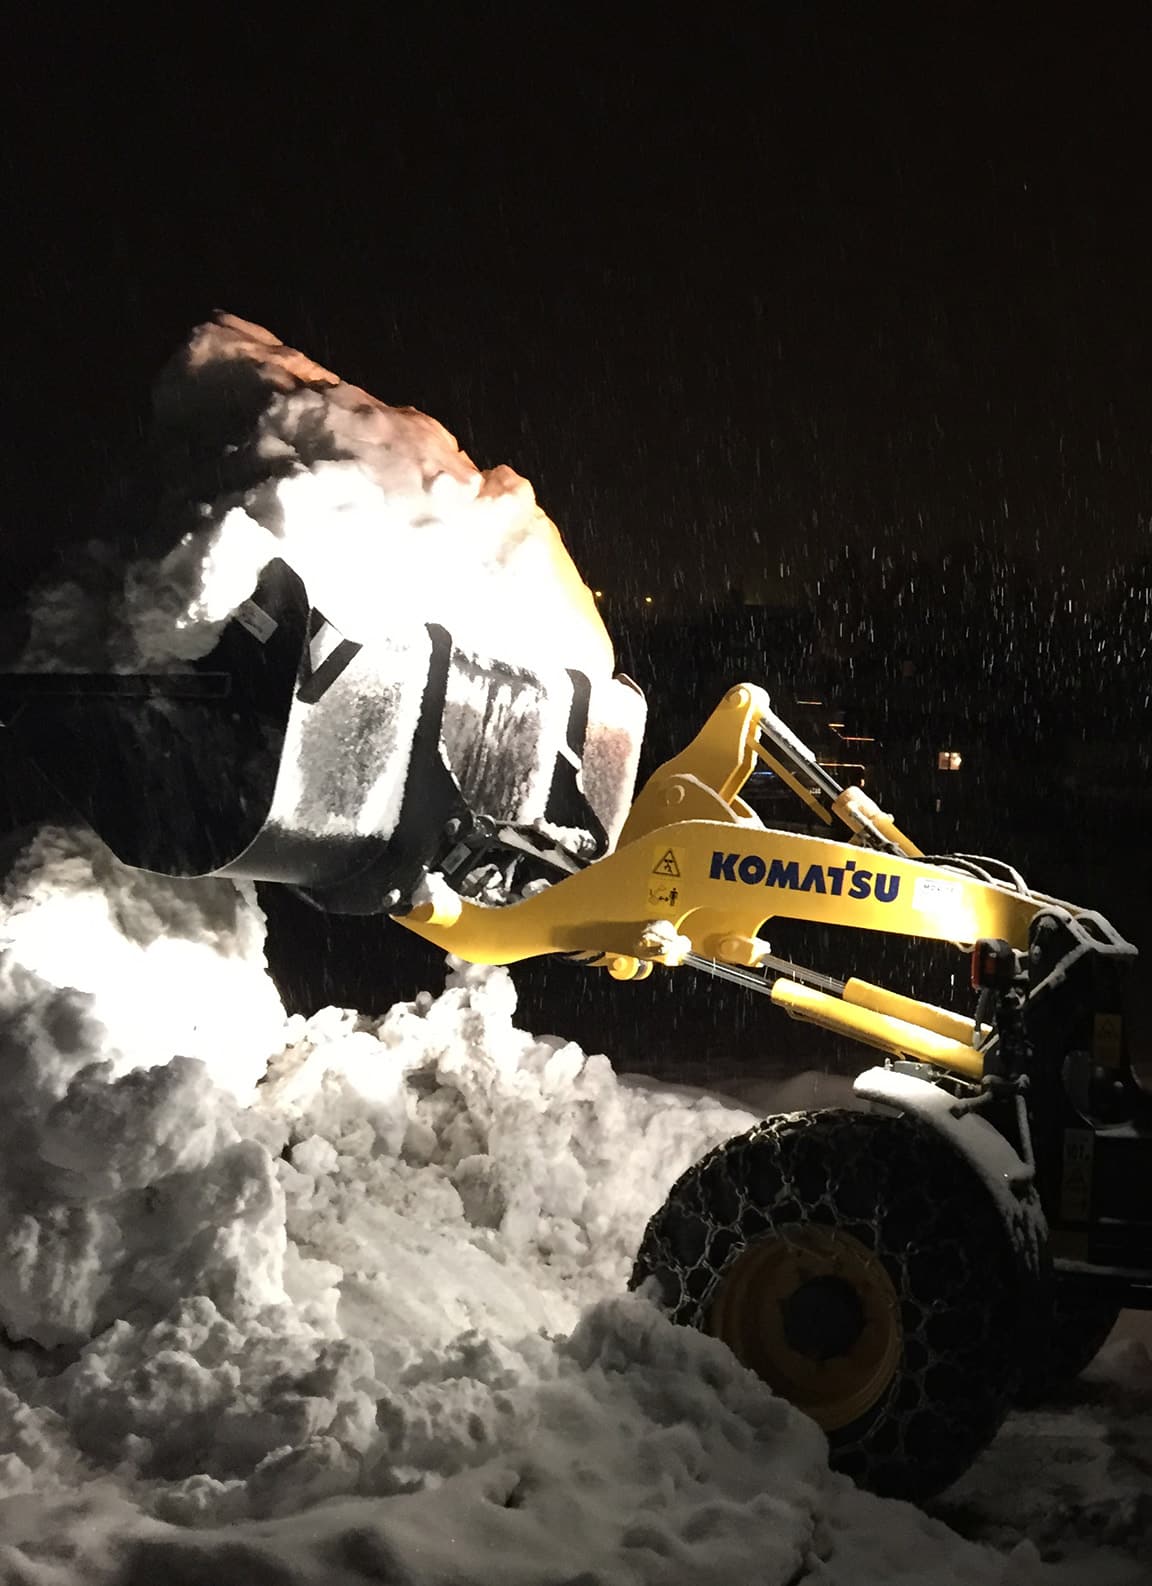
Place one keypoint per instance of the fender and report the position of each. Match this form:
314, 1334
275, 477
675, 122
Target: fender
1010, 1180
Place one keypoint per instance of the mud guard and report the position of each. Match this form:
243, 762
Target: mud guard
1010, 1180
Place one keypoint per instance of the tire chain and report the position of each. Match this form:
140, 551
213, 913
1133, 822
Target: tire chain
910, 1199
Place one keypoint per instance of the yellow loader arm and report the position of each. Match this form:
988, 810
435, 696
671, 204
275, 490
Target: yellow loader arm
696, 875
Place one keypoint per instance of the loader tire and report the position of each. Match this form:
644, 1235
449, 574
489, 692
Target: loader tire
859, 1264
1073, 1333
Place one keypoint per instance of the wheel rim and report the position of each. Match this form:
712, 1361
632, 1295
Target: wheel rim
814, 1313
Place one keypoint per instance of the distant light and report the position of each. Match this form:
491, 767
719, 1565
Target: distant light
809, 701
599, 593
647, 600
835, 724
949, 760
857, 738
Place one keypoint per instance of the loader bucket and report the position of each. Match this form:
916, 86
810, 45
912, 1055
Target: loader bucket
176, 772
290, 754
419, 680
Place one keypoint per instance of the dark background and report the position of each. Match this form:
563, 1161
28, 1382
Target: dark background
843, 316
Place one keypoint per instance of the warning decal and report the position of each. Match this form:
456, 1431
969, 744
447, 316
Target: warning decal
667, 864
1076, 1177
1108, 1039
253, 617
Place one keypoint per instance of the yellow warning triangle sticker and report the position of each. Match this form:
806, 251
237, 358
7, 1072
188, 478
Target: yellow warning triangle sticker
666, 865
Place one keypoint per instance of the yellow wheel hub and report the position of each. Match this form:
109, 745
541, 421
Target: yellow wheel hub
814, 1313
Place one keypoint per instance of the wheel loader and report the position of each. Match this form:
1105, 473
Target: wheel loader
903, 1270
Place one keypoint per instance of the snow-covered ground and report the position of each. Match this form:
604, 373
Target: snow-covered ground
365, 1318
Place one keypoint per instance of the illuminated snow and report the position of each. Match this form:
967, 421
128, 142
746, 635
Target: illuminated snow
394, 532
174, 970
387, 521
366, 1320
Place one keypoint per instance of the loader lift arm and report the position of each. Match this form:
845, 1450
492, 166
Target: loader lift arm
696, 875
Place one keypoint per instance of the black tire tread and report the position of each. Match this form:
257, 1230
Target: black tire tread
908, 1195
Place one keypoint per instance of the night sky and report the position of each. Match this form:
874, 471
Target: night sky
732, 296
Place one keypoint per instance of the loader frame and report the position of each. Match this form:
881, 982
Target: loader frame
696, 875
1036, 1088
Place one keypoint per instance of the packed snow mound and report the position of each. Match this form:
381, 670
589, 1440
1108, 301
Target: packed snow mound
266, 454
359, 1314
424, 588
167, 968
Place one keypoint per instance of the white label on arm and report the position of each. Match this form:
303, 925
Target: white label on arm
931, 892
253, 617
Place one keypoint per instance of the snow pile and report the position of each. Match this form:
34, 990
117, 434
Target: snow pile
434, 580
385, 519
364, 1320
171, 968
1087, 1464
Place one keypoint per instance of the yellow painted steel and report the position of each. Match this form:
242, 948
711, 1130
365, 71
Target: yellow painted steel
881, 1000
863, 814
716, 883
695, 871
895, 1036
797, 787
703, 781
748, 1312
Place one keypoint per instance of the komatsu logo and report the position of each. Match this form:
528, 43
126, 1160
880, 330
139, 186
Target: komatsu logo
846, 880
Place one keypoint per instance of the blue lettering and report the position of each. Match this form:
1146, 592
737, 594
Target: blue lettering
783, 875
752, 870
